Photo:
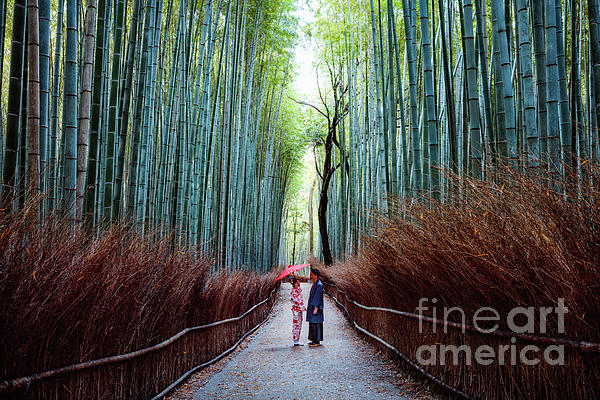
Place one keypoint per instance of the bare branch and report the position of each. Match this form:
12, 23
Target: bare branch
321, 96
310, 105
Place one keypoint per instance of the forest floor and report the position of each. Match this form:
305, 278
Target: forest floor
268, 366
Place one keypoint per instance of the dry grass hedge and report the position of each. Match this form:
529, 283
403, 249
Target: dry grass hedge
70, 297
517, 242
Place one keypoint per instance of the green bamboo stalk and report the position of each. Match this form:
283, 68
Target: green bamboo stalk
149, 149
33, 109
125, 100
430, 105
489, 136
44, 33
564, 112
526, 68
113, 128
539, 45
141, 94
13, 114
91, 182
415, 154
552, 88
53, 187
472, 96
393, 91
594, 18
449, 92
575, 86
23, 146
380, 121
505, 82
3, 9
83, 134
70, 113
403, 168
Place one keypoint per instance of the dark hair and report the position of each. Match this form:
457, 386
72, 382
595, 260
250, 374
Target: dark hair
293, 280
315, 271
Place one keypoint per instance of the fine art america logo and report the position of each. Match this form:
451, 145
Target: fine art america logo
520, 320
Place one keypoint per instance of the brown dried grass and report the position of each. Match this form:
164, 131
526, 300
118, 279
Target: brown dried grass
516, 242
71, 297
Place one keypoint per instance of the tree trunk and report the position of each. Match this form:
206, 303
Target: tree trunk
324, 198
322, 218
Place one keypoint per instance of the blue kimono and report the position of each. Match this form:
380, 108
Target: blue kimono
315, 321
315, 299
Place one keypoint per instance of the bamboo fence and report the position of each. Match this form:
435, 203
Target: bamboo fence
397, 333
144, 373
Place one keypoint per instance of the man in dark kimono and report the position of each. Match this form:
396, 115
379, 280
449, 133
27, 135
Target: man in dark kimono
314, 311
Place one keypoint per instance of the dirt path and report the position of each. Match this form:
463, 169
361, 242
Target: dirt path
269, 367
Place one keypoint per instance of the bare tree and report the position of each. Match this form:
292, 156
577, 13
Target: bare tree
334, 116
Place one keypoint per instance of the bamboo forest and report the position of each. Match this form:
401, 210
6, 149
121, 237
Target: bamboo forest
163, 161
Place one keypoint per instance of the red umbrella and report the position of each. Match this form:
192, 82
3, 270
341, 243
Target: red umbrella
290, 270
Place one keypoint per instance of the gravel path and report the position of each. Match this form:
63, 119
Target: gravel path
269, 367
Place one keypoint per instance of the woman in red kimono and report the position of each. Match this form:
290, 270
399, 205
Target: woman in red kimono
297, 306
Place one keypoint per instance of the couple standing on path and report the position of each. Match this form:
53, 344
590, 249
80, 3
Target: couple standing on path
314, 310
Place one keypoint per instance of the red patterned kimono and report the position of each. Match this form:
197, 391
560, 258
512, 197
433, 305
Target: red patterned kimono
297, 305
